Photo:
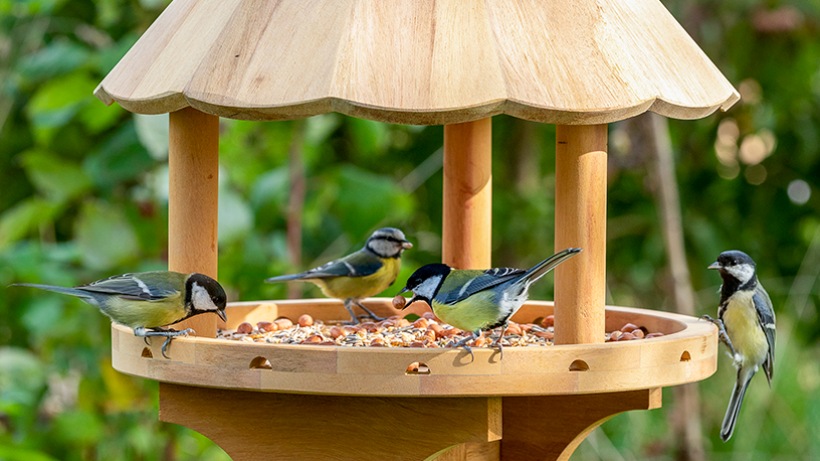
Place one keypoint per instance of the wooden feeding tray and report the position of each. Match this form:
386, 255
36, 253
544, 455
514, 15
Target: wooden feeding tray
687, 352
577, 64
495, 399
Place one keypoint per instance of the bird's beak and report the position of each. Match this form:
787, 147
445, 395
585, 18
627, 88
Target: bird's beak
221, 313
403, 291
412, 300
406, 244
715, 265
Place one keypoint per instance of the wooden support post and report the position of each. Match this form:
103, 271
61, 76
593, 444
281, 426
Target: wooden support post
467, 226
528, 438
193, 170
580, 221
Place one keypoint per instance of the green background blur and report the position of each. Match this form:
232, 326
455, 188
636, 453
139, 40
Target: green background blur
83, 195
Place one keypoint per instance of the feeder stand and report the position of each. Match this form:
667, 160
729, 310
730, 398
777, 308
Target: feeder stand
579, 65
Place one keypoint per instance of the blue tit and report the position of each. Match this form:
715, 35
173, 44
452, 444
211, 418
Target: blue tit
478, 300
147, 301
364, 273
747, 327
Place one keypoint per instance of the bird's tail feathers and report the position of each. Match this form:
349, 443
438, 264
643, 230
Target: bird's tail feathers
728, 426
285, 278
55, 289
542, 268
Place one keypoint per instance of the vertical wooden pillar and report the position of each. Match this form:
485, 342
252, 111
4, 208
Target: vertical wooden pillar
467, 227
580, 221
193, 169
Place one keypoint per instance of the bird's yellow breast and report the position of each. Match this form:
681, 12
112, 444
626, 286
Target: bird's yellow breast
744, 330
149, 314
361, 287
477, 312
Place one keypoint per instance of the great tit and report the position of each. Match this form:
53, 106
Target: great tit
478, 300
147, 301
364, 273
747, 326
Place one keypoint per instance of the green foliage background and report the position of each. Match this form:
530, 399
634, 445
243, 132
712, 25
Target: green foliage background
84, 196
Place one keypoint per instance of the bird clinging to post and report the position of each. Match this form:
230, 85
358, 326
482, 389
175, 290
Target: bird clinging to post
747, 326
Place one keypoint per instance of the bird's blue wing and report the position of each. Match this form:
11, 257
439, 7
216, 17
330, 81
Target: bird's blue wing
130, 286
359, 264
468, 283
765, 315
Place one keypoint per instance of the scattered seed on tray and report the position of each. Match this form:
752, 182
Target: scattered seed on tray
425, 331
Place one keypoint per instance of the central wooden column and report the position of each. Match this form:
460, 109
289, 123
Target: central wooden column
468, 180
193, 170
580, 221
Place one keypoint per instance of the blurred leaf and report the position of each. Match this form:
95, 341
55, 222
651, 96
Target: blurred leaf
54, 177
235, 216
370, 138
98, 118
121, 157
23, 218
320, 127
107, 58
56, 102
120, 389
8, 453
79, 428
376, 198
21, 376
104, 236
58, 58
271, 187
152, 131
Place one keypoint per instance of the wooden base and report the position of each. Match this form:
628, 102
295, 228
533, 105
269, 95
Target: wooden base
253, 425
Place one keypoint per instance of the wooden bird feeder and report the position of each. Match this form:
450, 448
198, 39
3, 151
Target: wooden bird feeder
578, 64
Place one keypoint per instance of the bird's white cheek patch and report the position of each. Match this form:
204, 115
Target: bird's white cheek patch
428, 287
201, 299
743, 272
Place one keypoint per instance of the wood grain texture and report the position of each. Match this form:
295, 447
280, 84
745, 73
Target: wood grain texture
250, 426
468, 184
419, 61
580, 222
193, 170
535, 428
613, 367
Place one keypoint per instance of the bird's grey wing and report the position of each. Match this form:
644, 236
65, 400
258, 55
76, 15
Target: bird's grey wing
129, 286
475, 282
358, 264
765, 315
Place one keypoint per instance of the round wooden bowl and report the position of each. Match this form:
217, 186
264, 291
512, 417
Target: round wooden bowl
687, 353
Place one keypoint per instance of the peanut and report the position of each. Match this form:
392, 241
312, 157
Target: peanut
266, 326
629, 327
399, 302
244, 328
513, 329
335, 332
305, 320
283, 324
421, 323
545, 334
436, 329
638, 333
548, 321
626, 337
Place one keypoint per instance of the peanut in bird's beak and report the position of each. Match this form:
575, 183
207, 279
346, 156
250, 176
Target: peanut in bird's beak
406, 244
715, 265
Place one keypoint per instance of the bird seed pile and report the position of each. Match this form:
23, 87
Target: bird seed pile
425, 331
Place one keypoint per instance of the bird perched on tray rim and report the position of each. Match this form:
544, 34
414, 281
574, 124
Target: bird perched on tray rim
147, 301
478, 300
747, 323
364, 273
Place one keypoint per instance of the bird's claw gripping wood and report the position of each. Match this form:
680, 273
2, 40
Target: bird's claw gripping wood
724, 337
463, 343
168, 334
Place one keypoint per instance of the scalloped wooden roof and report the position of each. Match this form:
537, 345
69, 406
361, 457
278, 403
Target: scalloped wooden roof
419, 61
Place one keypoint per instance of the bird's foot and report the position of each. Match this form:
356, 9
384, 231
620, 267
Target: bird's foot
463, 344
498, 346
168, 334
722, 334
370, 313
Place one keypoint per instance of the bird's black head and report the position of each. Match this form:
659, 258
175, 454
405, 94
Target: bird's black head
204, 294
425, 282
736, 268
388, 242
